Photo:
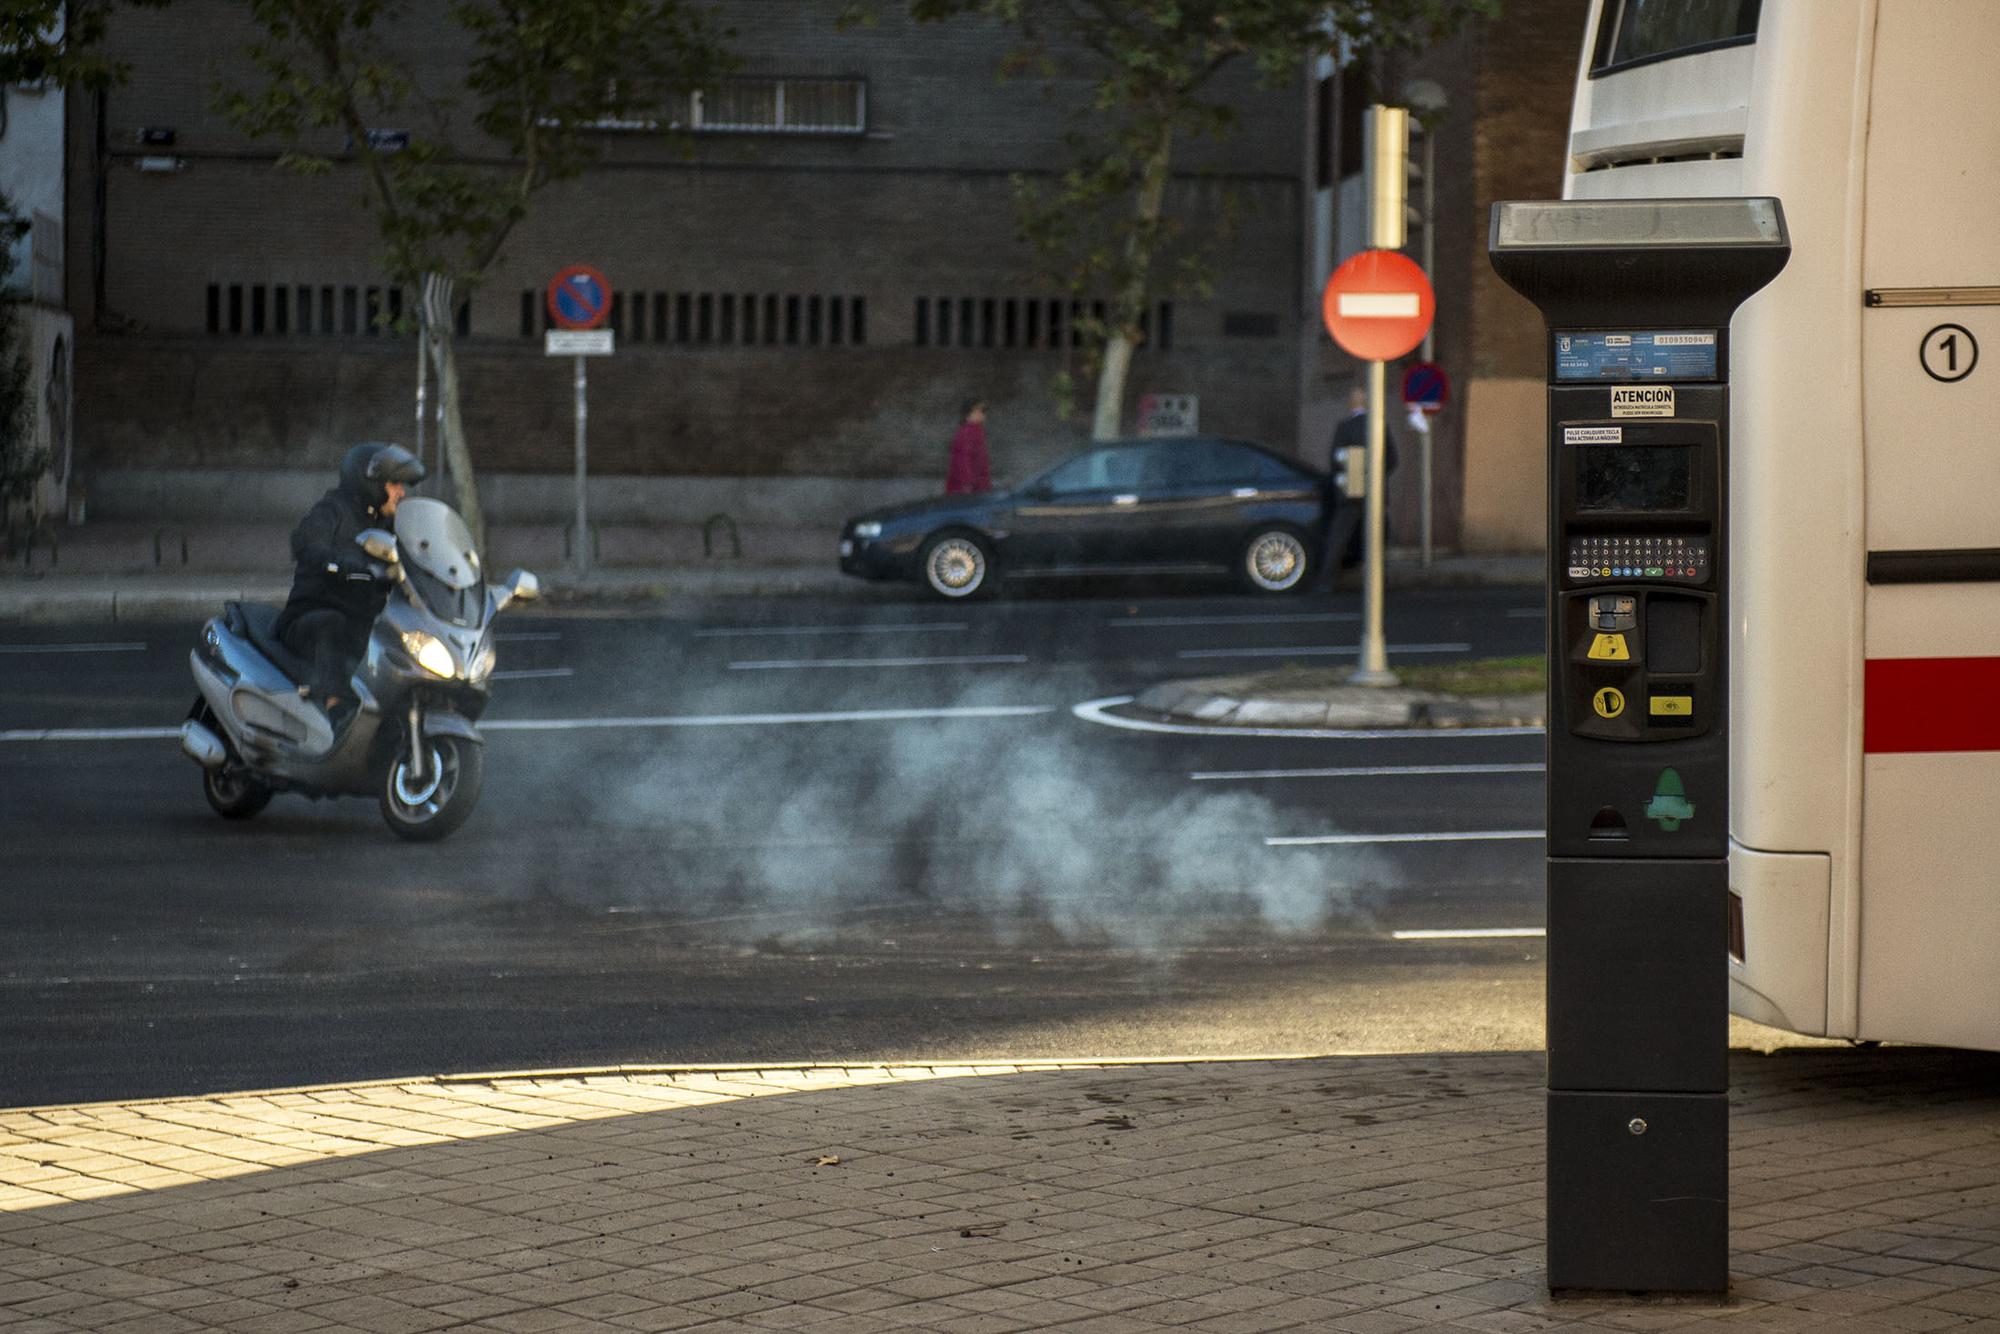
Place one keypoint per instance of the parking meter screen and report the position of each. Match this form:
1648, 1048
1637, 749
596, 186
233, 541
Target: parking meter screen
1634, 477
1635, 355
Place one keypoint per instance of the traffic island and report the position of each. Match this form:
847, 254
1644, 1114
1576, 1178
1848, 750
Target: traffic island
1479, 694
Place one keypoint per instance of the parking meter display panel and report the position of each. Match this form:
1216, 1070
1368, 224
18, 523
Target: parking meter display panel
1636, 637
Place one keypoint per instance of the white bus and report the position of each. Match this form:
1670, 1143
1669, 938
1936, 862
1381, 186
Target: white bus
1865, 580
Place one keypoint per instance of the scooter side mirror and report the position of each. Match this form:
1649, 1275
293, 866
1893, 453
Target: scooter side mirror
520, 586
379, 544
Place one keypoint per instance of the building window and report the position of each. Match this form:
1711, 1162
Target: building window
1022, 323
780, 106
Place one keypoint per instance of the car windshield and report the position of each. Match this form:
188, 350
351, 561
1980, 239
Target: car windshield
437, 553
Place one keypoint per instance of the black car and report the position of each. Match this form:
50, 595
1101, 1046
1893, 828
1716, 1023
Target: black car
1125, 507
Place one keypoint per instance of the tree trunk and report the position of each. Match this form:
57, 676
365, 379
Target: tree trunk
457, 457
1130, 304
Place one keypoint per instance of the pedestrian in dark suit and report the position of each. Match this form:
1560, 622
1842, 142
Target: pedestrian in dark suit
1350, 450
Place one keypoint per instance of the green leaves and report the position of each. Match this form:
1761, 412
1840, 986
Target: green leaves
542, 82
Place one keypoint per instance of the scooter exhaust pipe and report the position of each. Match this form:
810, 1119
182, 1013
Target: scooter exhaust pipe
203, 746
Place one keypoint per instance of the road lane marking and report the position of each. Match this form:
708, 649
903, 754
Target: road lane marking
90, 734
1433, 836
1296, 618
1365, 771
810, 664
1475, 933
1318, 650
72, 648
29, 734
746, 631
1099, 711
534, 674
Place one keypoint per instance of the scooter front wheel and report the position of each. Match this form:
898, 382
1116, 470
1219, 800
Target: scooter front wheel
428, 808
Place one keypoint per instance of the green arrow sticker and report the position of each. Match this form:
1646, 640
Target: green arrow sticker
1669, 805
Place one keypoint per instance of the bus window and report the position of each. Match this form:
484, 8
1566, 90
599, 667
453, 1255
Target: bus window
1637, 32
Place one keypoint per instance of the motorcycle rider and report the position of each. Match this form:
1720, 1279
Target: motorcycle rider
337, 591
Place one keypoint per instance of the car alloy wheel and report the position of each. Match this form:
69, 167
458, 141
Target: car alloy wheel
1275, 561
955, 567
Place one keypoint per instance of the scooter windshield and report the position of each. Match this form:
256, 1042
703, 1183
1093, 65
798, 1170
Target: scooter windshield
438, 555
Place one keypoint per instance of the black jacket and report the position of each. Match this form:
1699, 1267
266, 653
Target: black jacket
1352, 433
333, 571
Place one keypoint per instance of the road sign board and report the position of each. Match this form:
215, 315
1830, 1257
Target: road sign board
1426, 386
1378, 305
577, 342
579, 298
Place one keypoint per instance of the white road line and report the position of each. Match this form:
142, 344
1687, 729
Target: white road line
534, 674
1475, 933
1099, 711
90, 734
530, 637
747, 631
72, 648
1365, 771
23, 734
1297, 618
1318, 650
810, 664
1434, 836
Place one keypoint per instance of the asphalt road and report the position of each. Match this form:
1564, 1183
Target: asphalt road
867, 828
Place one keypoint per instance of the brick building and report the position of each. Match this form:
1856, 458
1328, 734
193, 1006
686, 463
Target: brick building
802, 304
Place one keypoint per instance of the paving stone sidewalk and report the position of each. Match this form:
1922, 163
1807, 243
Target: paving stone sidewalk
1358, 1194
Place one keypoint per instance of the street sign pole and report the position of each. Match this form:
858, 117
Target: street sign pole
579, 301
1374, 667
582, 549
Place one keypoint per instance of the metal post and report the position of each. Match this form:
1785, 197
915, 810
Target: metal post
1374, 667
580, 553
1430, 334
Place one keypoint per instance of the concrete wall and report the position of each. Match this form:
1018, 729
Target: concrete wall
189, 363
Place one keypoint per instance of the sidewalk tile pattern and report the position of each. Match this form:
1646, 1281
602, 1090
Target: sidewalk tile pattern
1367, 1195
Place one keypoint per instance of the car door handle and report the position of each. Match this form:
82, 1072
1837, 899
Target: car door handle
1125, 500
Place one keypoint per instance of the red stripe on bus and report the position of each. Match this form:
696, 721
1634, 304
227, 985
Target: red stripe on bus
1930, 704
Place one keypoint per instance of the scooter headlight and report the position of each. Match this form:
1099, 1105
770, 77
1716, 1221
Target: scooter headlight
430, 653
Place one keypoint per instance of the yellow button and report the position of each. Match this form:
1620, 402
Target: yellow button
1673, 706
1609, 702
1610, 648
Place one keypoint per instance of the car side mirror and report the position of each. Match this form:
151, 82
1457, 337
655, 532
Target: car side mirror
379, 544
520, 586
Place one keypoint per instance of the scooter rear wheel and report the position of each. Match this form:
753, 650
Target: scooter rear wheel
424, 810
232, 792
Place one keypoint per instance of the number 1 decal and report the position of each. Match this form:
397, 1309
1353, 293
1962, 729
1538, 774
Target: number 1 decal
1949, 352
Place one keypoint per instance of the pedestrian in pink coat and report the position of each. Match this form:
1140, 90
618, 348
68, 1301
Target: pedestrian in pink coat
968, 471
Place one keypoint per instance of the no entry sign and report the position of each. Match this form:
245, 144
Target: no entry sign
1378, 305
579, 298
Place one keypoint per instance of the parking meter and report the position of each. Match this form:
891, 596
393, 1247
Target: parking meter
1637, 296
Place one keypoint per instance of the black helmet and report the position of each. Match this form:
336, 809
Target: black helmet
367, 469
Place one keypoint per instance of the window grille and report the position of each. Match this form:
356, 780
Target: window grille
728, 319
1024, 323
781, 106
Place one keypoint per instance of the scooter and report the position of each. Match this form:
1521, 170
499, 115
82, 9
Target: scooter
421, 686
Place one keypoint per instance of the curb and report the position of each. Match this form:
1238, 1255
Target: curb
1200, 701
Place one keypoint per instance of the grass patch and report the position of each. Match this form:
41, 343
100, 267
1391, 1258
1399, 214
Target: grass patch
1480, 676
